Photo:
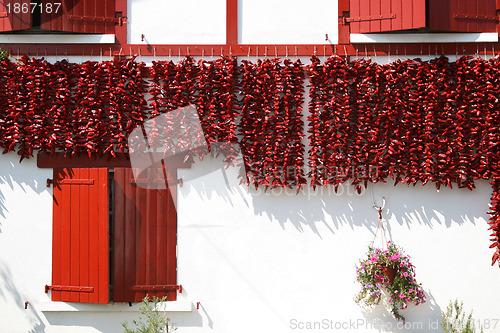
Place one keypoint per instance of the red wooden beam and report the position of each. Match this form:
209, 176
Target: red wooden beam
58, 160
269, 50
231, 22
121, 30
343, 27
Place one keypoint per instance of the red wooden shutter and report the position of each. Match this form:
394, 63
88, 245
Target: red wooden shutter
80, 248
386, 15
12, 17
144, 241
88, 16
463, 15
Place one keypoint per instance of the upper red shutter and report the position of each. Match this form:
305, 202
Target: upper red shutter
80, 258
463, 15
144, 241
87, 16
386, 15
367, 16
12, 16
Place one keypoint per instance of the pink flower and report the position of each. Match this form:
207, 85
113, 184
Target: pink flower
402, 296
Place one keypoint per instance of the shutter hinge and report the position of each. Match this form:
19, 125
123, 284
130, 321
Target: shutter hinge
154, 181
343, 18
69, 288
475, 17
118, 19
70, 181
370, 18
159, 287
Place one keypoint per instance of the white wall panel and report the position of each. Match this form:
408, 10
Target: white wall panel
177, 22
288, 22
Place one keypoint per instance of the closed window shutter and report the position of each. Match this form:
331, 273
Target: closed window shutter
10, 20
85, 16
386, 15
80, 258
144, 241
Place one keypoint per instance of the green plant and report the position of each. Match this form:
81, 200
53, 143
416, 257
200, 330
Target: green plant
4, 55
453, 320
404, 289
151, 320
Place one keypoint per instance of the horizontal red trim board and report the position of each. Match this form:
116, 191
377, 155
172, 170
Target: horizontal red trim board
58, 160
97, 52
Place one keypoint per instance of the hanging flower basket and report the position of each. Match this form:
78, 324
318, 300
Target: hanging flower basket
389, 270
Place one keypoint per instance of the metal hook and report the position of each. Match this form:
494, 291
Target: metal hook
379, 209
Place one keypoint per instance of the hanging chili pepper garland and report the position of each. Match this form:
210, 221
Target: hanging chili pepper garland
271, 126
212, 87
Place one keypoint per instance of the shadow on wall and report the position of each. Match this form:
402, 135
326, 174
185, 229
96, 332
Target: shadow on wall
12, 298
345, 208
405, 205
381, 319
16, 175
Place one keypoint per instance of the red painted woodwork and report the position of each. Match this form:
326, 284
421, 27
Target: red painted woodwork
446, 15
386, 15
59, 160
144, 240
463, 15
231, 21
87, 16
80, 244
12, 21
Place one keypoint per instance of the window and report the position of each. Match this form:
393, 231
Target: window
112, 240
444, 16
77, 16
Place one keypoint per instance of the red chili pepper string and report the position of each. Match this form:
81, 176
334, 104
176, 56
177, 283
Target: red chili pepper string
271, 127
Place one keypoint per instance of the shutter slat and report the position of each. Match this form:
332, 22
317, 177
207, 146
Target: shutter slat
85, 236
80, 237
148, 225
74, 245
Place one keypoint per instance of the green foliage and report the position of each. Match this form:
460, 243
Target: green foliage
454, 321
404, 289
3, 55
150, 320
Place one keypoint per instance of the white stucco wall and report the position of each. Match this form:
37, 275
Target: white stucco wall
263, 261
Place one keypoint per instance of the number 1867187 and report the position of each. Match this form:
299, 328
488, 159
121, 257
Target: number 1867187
33, 7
